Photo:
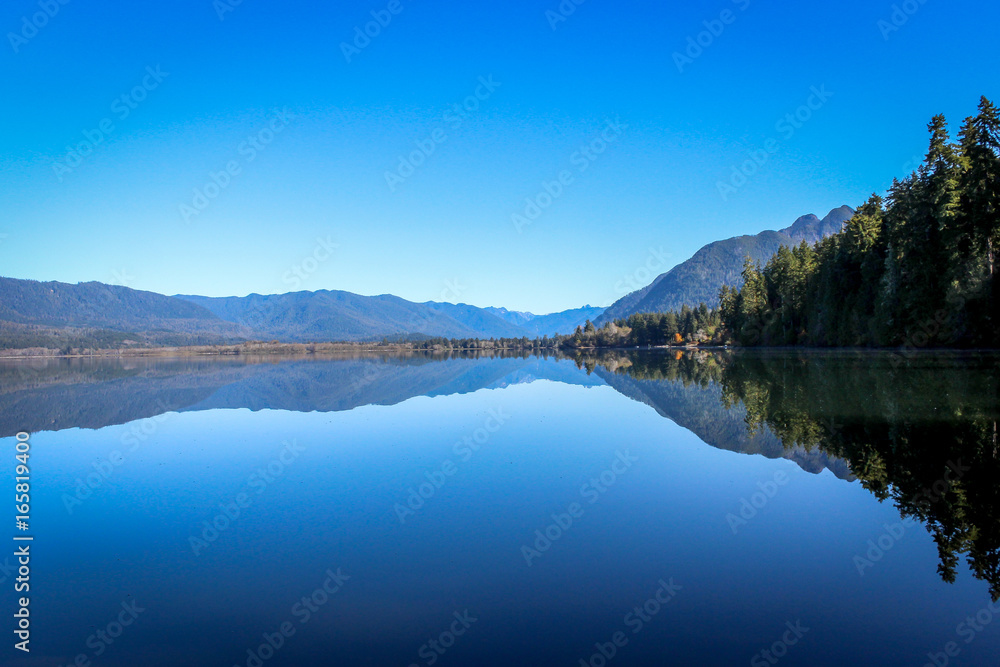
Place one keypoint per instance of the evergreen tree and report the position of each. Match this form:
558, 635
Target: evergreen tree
980, 218
915, 269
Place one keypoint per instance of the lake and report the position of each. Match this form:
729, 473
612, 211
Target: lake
633, 508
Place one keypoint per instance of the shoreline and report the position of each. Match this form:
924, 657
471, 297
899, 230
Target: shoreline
341, 349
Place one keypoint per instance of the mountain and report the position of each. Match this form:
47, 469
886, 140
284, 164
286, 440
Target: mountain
94, 315
46, 309
700, 408
56, 315
513, 316
342, 316
720, 263
565, 322
812, 230
482, 321
334, 316
553, 324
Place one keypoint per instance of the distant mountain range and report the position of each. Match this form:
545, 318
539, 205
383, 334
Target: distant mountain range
59, 315
36, 314
56, 315
342, 316
720, 263
549, 325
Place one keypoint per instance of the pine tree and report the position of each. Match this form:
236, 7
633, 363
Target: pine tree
932, 240
980, 201
668, 327
917, 268
752, 305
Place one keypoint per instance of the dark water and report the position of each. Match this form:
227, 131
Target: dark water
632, 509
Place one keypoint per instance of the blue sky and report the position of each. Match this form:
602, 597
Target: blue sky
309, 207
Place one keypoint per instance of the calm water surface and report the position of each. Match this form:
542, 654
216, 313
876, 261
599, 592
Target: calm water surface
631, 508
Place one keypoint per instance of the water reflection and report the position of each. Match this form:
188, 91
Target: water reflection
920, 432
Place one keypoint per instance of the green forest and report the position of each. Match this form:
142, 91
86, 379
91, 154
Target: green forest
687, 326
914, 269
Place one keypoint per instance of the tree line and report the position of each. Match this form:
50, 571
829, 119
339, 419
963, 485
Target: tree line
914, 269
687, 326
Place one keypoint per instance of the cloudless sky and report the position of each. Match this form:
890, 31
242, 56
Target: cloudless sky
445, 232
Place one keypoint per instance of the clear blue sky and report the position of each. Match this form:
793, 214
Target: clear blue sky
446, 230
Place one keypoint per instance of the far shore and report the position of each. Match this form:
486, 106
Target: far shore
293, 350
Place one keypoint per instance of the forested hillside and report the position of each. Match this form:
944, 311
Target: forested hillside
697, 280
916, 268
54, 314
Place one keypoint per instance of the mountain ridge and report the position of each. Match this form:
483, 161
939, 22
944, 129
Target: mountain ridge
92, 314
553, 324
699, 278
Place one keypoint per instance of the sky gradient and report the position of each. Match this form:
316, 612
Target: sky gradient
250, 151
